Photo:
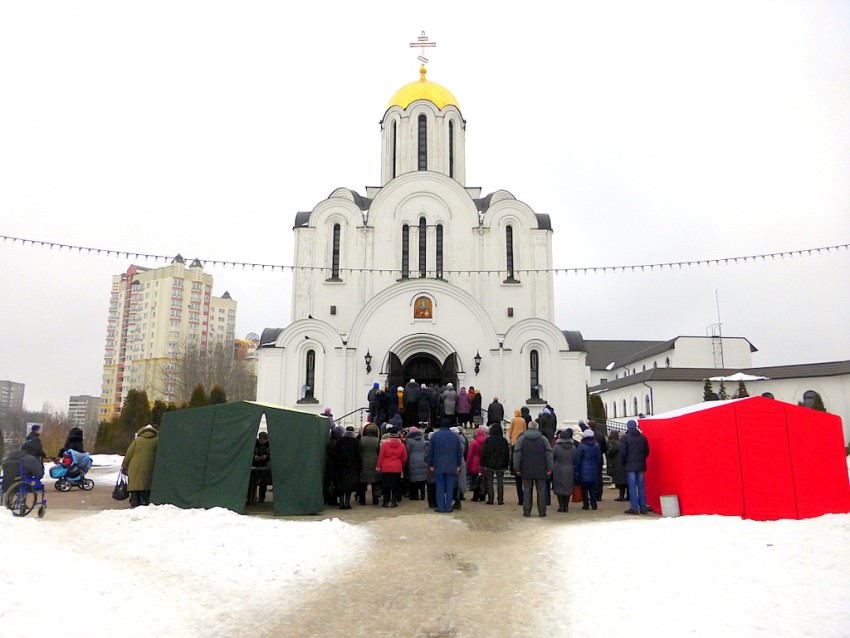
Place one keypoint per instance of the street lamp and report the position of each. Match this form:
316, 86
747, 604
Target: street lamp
477, 359
368, 359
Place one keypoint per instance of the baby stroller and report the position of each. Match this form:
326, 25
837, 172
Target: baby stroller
70, 471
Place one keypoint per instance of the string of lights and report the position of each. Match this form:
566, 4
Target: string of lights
577, 270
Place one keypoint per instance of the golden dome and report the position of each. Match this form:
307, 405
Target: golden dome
423, 89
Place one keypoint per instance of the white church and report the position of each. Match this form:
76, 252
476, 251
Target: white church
423, 278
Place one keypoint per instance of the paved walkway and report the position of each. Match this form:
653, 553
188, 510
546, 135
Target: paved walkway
474, 572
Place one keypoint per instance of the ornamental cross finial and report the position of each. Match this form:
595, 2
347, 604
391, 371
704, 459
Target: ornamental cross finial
422, 43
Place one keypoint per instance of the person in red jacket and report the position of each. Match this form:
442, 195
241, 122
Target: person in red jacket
391, 460
473, 463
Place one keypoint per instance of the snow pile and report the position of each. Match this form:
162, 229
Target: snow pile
163, 570
706, 576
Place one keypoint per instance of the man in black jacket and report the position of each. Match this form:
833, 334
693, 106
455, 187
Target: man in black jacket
533, 463
602, 442
495, 412
634, 449
411, 404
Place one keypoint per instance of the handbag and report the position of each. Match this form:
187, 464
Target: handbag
577, 494
121, 491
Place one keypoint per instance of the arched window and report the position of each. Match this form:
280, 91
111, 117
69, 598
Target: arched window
509, 254
635, 405
648, 408
423, 245
644, 367
451, 149
624, 408
335, 254
395, 145
614, 409
534, 375
405, 251
423, 143
439, 272
308, 390
812, 399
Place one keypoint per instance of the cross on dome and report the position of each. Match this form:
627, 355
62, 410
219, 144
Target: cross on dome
421, 44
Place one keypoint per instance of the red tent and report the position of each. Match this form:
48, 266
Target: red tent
756, 458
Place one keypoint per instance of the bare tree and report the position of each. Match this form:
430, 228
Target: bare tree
214, 366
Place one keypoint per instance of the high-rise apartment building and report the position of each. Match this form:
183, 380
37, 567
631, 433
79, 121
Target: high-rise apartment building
83, 411
11, 410
155, 315
11, 397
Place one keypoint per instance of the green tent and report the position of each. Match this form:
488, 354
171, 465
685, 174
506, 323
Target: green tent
204, 455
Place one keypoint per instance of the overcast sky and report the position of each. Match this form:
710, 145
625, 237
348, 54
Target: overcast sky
649, 132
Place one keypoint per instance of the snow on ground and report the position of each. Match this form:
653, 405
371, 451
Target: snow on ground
177, 572
212, 572
707, 576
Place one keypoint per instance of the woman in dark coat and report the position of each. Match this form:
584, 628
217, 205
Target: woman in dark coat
74, 441
417, 468
347, 463
369, 443
563, 455
495, 458
615, 465
588, 459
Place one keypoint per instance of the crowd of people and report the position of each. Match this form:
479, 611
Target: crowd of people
415, 446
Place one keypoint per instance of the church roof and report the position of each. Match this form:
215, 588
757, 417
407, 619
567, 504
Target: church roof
269, 336
423, 89
804, 370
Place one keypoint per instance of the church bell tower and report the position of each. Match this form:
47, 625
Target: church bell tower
423, 130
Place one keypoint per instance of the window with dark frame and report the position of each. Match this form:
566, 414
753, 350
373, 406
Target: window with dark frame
509, 255
405, 252
309, 389
534, 374
439, 241
423, 245
335, 254
395, 147
451, 149
423, 143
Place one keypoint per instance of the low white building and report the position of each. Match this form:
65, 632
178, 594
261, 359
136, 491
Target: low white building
646, 377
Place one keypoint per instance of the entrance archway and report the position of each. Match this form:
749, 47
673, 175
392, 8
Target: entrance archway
424, 368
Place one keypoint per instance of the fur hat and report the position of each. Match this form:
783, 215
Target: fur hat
31, 448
